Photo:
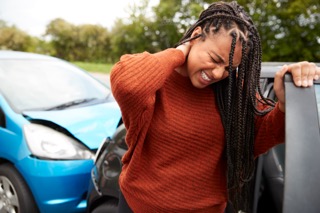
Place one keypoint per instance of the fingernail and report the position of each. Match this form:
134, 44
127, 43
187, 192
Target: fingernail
299, 83
305, 83
310, 82
284, 67
316, 77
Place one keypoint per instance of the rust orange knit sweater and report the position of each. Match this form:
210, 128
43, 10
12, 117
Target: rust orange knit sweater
175, 137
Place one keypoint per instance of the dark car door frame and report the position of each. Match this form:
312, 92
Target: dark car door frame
2, 118
302, 172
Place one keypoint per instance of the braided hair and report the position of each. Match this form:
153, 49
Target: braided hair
238, 95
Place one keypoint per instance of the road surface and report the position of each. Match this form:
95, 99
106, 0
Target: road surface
104, 78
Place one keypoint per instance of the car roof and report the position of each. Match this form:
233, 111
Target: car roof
11, 54
269, 69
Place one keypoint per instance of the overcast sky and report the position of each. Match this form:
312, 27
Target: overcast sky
32, 16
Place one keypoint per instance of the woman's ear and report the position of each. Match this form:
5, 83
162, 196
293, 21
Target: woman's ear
197, 32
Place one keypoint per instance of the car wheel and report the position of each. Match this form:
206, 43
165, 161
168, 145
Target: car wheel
15, 196
111, 206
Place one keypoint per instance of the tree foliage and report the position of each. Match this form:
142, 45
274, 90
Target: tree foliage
289, 31
79, 43
14, 39
135, 34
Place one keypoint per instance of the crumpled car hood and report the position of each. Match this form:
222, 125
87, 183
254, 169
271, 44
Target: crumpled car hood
90, 124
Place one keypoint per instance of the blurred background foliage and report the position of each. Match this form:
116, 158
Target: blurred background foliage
289, 30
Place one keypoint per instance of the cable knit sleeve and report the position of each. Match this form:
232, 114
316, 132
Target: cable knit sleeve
135, 80
270, 130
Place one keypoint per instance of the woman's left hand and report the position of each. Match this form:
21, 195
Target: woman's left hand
303, 74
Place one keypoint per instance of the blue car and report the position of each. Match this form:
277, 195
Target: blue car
53, 118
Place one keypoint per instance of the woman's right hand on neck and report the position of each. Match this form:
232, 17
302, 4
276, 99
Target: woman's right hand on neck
185, 48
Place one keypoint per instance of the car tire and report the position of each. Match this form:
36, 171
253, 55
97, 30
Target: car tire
111, 206
15, 195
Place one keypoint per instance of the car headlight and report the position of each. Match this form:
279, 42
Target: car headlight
45, 142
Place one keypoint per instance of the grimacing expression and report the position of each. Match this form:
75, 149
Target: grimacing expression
208, 59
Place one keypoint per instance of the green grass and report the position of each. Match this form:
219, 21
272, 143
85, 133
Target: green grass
94, 67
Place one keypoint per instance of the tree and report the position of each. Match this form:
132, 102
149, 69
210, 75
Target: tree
166, 26
173, 18
14, 39
62, 36
92, 43
289, 29
135, 34
79, 43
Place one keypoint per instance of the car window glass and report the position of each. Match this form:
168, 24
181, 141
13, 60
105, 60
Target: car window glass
29, 84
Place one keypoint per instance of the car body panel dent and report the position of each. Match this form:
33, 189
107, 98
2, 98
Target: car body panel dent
88, 124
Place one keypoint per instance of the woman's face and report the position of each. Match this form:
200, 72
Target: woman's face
208, 60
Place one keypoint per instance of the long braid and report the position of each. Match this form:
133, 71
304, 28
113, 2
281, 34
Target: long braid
237, 96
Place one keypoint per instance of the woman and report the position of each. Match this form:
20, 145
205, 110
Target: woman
195, 116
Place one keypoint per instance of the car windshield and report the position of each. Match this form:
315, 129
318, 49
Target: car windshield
45, 84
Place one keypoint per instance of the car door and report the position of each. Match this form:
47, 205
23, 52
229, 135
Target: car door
287, 175
302, 147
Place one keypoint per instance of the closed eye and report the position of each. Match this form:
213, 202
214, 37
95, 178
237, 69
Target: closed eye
216, 61
220, 61
217, 58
